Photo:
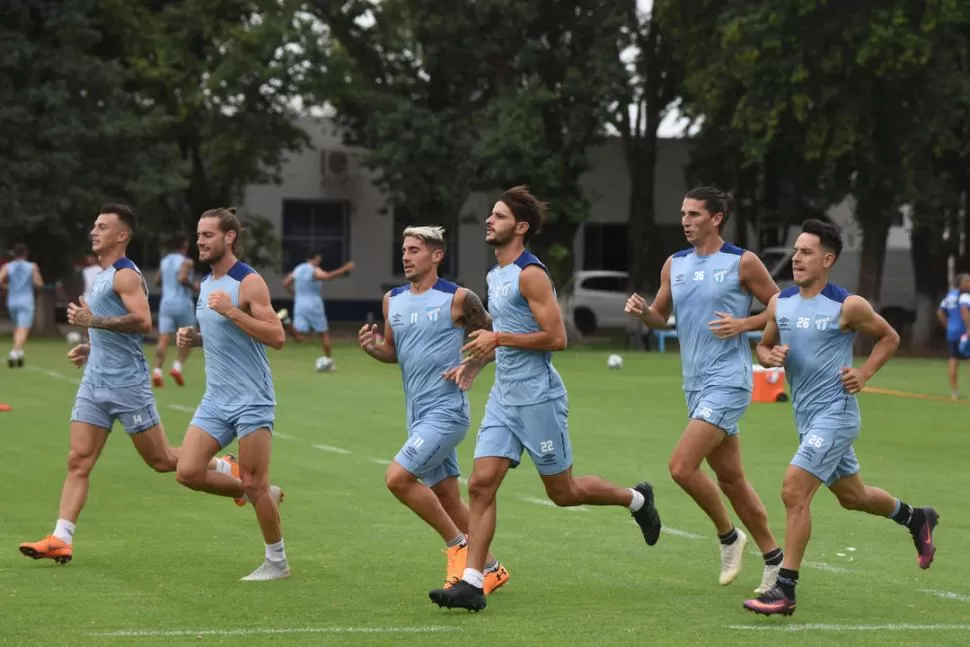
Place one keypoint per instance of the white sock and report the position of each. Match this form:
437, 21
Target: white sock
64, 530
275, 552
473, 577
223, 466
177, 366
158, 371
637, 502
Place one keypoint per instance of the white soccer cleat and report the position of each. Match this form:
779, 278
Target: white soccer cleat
276, 492
769, 579
269, 571
731, 557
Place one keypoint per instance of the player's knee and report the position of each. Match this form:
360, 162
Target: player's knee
398, 479
191, 476
255, 484
79, 463
731, 483
852, 500
563, 495
162, 464
680, 471
482, 486
793, 497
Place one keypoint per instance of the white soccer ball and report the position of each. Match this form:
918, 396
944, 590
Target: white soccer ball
324, 364
73, 337
614, 361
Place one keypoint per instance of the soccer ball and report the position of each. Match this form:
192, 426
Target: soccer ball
73, 337
614, 361
324, 364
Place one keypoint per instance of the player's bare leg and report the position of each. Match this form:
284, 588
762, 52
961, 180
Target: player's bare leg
448, 494
487, 476
198, 469
421, 500
254, 457
725, 460
953, 366
161, 352
87, 442
696, 443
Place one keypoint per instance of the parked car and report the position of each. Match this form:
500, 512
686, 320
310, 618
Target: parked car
594, 299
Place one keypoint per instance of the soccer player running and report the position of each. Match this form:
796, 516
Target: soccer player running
236, 323
20, 278
527, 407
709, 287
424, 327
810, 332
175, 309
309, 313
115, 385
954, 316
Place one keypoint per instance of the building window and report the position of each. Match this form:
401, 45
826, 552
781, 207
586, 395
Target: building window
449, 266
316, 227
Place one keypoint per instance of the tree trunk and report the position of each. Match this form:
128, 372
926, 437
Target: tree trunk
928, 252
874, 217
646, 247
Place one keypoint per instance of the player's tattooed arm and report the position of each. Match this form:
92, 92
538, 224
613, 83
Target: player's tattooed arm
130, 287
472, 314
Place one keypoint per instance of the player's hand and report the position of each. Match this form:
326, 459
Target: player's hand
482, 343
186, 337
78, 314
79, 354
221, 302
776, 357
367, 337
726, 326
464, 374
852, 379
635, 305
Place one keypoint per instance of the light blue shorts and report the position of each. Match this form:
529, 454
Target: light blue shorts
825, 443
21, 316
171, 318
133, 406
430, 451
225, 422
718, 406
310, 320
541, 429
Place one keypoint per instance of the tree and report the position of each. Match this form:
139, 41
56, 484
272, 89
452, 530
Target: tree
228, 77
851, 76
654, 79
72, 136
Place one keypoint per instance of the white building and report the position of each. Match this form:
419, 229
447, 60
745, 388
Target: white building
327, 202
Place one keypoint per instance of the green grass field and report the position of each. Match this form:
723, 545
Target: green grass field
157, 564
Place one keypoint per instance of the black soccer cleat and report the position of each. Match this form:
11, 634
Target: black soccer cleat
647, 517
462, 596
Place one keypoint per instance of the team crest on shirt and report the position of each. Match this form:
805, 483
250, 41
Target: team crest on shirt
719, 275
821, 323
431, 313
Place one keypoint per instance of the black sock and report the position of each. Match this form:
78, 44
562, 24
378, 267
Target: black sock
787, 579
912, 518
729, 537
774, 558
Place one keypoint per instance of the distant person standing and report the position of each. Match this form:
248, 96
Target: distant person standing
954, 316
309, 312
20, 278
90, 273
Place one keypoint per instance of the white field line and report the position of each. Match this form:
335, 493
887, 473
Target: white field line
269, 631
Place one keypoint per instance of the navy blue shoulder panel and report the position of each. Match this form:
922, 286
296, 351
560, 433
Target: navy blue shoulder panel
124, 263
400, 289
728, 248
206, 277
527, 258
441, 285
684, 252
787, 293
835, 293
239, 271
